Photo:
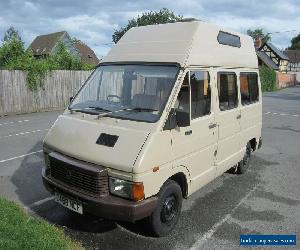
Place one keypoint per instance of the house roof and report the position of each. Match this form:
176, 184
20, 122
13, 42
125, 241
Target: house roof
86, 53
293, 55
185, 43
278, 52
267, 60
43, 45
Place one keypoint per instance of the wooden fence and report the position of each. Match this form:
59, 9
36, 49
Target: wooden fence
59, 86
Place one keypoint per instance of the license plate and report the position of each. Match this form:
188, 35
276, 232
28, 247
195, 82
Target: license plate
69, 203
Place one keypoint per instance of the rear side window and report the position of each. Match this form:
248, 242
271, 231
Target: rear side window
200, 93
249, 88
227, 89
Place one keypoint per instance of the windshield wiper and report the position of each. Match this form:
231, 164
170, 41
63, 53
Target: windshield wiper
89, 110
138, 109
112, 112
84, 110
99, 108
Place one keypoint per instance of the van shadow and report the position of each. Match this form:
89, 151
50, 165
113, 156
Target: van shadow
32, 194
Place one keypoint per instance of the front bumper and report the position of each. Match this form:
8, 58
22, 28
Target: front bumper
109, 206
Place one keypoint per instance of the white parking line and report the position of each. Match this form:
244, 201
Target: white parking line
24, 133
199, 243
20, 156
8, 123
40, 202
281, 114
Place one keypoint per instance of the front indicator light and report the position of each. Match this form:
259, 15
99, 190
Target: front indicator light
138, 191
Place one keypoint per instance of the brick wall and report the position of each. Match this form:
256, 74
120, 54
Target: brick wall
297, 77
285, 79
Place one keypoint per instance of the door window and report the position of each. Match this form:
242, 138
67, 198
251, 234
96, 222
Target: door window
227, 89
200, 93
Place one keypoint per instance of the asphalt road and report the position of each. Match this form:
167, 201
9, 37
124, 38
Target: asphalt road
266, 200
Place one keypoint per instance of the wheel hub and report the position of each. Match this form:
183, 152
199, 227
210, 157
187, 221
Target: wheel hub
169, 209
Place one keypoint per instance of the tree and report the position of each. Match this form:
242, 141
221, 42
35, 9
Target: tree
12, 48
64, 59
295, 43
259, 33
147, 18
11, 34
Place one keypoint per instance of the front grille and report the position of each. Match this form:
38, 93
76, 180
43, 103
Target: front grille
79, 175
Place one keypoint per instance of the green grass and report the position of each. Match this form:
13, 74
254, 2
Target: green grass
21, 231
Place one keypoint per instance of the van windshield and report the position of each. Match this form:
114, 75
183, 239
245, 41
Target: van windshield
134, 92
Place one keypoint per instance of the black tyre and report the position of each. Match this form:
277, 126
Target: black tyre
166, 215
243, 165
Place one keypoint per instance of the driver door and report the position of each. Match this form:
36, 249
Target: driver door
194, 146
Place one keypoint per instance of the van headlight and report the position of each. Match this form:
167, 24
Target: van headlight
126, 189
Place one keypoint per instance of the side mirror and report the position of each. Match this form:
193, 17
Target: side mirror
171, 123
71, 99
182, 118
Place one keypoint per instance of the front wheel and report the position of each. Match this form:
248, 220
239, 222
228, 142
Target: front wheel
243, 165
166, 215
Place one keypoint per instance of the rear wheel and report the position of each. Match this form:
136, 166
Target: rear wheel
243, 165
166, 215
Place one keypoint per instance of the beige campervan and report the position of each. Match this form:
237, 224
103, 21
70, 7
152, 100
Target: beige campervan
169, 109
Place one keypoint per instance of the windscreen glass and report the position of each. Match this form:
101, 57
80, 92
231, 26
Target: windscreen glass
134, 92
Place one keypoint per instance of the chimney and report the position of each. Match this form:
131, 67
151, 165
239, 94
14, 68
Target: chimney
257, 42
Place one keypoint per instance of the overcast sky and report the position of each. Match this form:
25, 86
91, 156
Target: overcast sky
93, 21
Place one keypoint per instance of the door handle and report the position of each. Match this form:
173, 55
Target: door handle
213, 125
189, 132
239, 116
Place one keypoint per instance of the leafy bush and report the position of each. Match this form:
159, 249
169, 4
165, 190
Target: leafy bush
13, 56
267, 78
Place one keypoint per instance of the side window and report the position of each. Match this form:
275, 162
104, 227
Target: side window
200, 93
249, 88
227, 89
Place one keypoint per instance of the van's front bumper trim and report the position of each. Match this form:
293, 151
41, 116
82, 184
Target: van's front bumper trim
108, 207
